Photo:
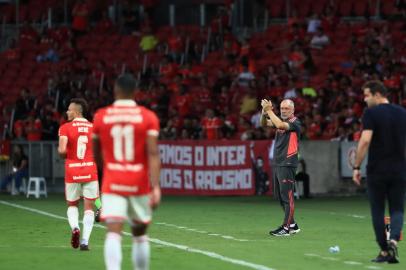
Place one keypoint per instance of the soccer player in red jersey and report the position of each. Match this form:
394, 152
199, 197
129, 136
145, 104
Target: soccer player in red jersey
80, 170
125, 143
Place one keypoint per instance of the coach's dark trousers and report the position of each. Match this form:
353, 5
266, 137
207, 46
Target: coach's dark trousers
391, 188
284, 182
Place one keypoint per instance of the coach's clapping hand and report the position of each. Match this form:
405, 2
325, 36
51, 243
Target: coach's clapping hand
266, 105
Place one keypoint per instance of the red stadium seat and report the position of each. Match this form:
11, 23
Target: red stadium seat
276, 8
388, 8
318, 6
9, 11
345, 8
303, 8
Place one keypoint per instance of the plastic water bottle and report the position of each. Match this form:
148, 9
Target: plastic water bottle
334, 249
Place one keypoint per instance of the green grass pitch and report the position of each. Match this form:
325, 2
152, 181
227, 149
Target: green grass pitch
193, 233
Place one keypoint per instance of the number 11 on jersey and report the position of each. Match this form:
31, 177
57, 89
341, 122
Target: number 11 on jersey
123, 142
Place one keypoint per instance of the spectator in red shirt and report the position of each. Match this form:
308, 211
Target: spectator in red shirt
223, 99
332, 127
314, 130
19, 130
220, 21
356, 132
231, 49
13, 52
175, 44
141, 96
80, 17
174, 86
276, 90
211, 125
203, 97
67, 51
329, 20
105, 25
28, 33
98, 70
33, 128
182, 101
296, 58
168, 69
296, 33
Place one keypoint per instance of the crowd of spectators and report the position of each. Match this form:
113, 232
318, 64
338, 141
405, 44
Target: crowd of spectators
218, 98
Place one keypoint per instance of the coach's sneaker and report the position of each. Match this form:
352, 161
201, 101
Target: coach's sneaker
97, 215
392, 252
294, 228
276, 230
75, 239
281, 231
84, 247
381, 258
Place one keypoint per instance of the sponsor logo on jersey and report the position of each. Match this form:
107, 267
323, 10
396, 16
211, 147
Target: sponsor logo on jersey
117, 187
80, 177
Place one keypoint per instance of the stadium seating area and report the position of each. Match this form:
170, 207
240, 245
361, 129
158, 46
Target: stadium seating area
192, 71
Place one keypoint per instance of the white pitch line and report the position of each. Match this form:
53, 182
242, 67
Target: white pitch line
228, 237
330, 259
353, 263
157, 241
321, 257
373, 267
61, 246
347, 215
345, 262
352, 215
312, 255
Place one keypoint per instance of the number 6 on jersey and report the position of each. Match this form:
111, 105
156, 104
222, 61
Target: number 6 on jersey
81, 146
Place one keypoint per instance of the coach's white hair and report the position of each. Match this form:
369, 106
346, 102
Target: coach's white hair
289, 102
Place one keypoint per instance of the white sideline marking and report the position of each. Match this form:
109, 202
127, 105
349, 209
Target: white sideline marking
202, 232
352, 263
373, 267
351, 215
347, 215
321, 257
311, 255
338, 260
157, 241
330, 259
61, 246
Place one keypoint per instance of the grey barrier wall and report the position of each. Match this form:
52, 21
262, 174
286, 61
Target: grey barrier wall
329, 165
326, 162
347, 153
322, 165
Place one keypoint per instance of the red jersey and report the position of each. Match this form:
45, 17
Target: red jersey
211, 125
182, 104
80, 21
122, 130
79, 165
175, 44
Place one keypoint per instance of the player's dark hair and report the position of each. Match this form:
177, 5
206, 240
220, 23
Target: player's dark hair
82, 104
376, 87
126, 84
